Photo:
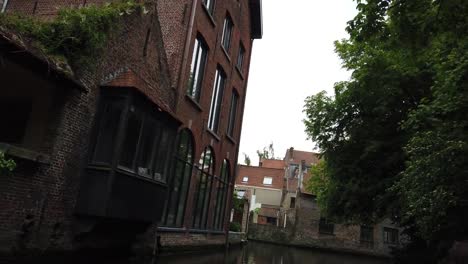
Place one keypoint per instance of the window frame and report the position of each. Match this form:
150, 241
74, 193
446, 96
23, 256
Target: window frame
148, 112
326, 227
393, 236
197, 68
366, 236
209, 5
233, 108
267, 178
221, 195
226, 36
217, 99
185, 158
240, 57
202, 199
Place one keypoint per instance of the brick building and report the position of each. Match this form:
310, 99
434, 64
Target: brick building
144, 143
264, 188
297, 218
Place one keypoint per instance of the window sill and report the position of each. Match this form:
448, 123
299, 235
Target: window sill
239, 71
202, 231
232, 140
226, 53
24, 153
212, 133
210, 16
130, 173
194, 103
172, 229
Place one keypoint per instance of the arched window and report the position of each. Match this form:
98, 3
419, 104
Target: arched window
221, 196
180, 181
204, 178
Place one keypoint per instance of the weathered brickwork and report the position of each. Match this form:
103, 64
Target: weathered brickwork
304, 230
38, 199
151, 53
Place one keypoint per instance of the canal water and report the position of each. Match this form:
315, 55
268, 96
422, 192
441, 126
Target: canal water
263, 253
252, 253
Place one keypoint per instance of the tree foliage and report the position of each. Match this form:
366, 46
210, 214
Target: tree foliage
6, 164
267, 152
319, 184
247, 160
395, 136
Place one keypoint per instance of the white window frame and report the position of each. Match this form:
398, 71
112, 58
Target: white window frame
267, 180
227, 33
216, 100
3, 8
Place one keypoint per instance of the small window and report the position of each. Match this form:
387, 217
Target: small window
326, 226
216, 100
132, 134
292, 203
209, 4
367, 236
240, 57
390, 235
271, 220
197, 69
267, 180
227, 33
245, 179
16, 121
232, 113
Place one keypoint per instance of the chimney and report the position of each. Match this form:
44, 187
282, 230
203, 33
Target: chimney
291, 153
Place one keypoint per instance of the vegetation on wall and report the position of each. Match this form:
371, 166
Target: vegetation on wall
395, 136
319, 184
6, 164
75, 34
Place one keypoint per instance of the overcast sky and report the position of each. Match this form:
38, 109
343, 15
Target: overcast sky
294, 59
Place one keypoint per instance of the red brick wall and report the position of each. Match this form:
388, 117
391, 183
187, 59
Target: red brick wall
179, 31
161, 76
37, 201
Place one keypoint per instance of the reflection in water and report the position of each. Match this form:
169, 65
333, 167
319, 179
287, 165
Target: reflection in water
262, 253
252, 253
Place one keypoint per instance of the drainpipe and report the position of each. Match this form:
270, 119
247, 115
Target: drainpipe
4, 6
186, 51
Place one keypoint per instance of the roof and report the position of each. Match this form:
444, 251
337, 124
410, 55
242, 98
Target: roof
256, 18
256, 176
129, 78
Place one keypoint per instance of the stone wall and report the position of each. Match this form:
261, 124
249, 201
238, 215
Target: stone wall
302, 229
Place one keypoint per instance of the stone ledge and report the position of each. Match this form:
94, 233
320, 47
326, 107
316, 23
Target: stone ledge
24, 153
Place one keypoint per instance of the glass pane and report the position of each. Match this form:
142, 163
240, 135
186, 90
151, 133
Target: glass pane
232, 113
183, 194
132, 134
197, 69
180, 181
216, 100
163, 154
108, 128
175, 192
149, 135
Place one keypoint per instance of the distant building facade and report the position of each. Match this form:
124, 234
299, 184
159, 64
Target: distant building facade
298, 220
145, 143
